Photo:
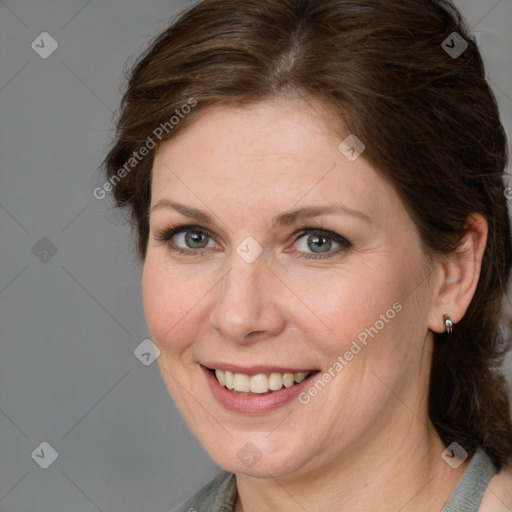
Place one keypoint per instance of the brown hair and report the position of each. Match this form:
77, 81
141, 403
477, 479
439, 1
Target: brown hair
429, 121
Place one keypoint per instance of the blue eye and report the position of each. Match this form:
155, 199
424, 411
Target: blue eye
316, 243
308, 244
186, 240
322, 244
192, 239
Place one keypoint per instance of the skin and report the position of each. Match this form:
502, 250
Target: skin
365, 441
498, 497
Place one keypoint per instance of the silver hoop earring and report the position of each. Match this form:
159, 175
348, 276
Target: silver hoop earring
448, 324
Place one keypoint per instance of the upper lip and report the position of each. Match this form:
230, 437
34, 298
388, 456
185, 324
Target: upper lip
255, 369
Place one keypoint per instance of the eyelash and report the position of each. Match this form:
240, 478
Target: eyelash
166, 234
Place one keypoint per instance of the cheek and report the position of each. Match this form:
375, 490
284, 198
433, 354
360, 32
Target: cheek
170, 304
385, 325
333, 309
355, 306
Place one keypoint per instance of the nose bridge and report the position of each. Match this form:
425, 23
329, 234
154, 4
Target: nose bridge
240, 290
244, 301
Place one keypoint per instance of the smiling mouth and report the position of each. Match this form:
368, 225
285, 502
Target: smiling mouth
259, 384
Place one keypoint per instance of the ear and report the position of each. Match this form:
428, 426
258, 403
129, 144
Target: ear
460, 272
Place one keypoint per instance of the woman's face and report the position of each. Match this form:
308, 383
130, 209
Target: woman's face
294, 259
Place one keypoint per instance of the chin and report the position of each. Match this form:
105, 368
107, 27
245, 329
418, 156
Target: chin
260, 458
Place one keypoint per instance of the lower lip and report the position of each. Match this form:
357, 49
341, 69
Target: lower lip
253, 404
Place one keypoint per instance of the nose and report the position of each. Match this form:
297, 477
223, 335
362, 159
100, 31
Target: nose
247, 303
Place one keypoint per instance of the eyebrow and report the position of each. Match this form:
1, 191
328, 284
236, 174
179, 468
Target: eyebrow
283, 219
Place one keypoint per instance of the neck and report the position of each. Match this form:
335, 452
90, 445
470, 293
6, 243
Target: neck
401, 472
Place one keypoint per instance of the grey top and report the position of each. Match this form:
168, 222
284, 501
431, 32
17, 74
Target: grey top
470, 490
220, 493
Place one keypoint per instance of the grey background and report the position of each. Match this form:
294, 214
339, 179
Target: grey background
69, 325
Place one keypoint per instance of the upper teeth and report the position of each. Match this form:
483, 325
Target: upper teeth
260, 383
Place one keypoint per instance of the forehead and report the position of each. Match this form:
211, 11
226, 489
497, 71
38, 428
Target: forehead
267, 155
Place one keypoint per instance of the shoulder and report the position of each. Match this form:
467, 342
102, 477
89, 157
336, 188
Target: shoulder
217, 495
498, 497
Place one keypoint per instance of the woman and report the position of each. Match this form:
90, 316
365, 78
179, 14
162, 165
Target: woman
317, 192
